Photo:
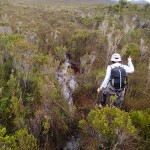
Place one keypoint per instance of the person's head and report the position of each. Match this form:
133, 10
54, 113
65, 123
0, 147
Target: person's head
116, 58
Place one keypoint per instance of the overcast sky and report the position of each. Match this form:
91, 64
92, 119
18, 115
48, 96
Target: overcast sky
139, 0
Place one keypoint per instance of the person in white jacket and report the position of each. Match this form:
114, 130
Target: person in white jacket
106, 87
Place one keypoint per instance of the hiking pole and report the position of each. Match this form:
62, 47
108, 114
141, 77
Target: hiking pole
98, 99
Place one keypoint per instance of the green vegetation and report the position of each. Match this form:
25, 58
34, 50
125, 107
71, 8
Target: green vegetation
109, 128
34, 39
20, 140
141, 120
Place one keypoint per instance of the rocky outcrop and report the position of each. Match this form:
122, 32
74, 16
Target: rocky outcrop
6, 30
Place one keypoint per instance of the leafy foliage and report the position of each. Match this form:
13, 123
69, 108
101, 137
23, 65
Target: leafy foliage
141, 120
20, 140
109, 126
31, 98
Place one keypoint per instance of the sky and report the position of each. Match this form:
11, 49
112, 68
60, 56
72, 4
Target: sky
138, 0
148, 1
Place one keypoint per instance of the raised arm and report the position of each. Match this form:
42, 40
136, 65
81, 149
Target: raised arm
130, 67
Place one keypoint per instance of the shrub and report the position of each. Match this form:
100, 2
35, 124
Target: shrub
110, 127
141, 120
123, 2
20, 140
25, 141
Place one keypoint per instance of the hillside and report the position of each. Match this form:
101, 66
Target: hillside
78, 2
66, 2
52, 61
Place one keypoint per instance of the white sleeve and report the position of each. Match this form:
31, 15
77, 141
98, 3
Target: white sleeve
129, 68
107, 77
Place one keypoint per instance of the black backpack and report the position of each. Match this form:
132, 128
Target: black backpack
118, 78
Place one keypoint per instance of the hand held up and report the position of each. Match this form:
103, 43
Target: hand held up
129, 58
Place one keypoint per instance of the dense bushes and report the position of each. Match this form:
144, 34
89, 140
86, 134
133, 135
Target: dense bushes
109, 128
20, 140
30, 95
33, 110
141, 120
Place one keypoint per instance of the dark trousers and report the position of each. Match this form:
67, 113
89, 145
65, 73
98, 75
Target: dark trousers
108, 92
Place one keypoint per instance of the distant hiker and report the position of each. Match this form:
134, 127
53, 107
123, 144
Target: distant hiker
115, 80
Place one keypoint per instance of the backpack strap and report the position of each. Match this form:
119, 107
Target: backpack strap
126, 81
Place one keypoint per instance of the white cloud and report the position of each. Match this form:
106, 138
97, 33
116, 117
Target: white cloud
140, 0
136, 0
